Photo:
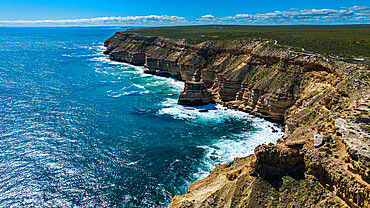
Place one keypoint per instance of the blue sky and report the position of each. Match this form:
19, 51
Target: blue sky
180, 12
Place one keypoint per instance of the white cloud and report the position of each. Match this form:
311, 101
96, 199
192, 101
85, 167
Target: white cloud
357, 8
128, 20
355, 14
206, 17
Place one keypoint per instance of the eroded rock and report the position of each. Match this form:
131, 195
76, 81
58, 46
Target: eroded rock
194, 94
308, 93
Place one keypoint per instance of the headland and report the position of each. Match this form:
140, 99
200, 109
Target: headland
312, 79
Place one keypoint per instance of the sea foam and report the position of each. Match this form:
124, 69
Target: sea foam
226, 148
219, 150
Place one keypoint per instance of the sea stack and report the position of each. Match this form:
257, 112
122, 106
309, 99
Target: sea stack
195, 93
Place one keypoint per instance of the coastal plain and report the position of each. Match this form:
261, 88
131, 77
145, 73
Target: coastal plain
312, 79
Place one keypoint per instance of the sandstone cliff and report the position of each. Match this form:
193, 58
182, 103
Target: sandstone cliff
323, 158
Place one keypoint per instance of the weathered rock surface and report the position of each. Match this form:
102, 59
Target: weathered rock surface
194, 94
323, 158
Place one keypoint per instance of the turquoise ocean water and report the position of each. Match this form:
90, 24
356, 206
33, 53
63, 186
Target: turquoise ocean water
78, 130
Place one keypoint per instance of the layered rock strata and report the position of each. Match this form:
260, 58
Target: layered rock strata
323, 158
194, 94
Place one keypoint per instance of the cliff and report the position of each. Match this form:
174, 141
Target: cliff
323, 158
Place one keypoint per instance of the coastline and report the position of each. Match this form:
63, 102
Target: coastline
301, 152
275, 130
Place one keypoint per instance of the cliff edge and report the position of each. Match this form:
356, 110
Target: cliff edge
323, 159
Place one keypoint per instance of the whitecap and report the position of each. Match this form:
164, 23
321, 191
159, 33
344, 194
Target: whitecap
133, 163
119, 94
101, 47
54, 165
145, 75
139, 86
99, 59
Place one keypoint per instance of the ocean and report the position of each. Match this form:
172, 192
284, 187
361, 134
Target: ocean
79, 130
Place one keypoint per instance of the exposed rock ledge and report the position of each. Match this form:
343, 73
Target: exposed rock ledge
323, 158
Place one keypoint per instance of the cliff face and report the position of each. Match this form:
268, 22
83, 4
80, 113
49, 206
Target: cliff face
314, 97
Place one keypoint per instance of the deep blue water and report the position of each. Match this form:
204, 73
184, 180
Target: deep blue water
79, 130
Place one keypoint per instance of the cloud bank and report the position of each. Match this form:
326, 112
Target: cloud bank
356, 14
344, 15
128, 20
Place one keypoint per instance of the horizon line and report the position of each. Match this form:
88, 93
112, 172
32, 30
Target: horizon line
185, 25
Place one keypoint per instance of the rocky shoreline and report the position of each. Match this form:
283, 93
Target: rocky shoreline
324, 154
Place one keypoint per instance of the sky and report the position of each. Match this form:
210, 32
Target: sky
180, 12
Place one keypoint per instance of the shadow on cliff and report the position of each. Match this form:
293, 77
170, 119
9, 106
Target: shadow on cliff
276, 161
276, 178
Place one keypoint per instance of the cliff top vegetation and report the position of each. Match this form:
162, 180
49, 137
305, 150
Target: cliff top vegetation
345, 41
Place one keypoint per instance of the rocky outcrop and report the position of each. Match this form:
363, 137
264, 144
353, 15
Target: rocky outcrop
124, 56
194, 94
323, 158
276, 161
237, 184
338, 177
357, 146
